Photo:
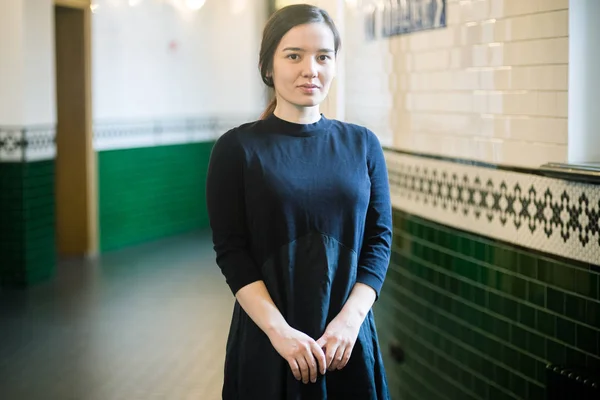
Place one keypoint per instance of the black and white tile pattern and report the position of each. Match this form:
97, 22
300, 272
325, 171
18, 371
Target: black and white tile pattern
131, 134
546, 214
27, 143
34, 143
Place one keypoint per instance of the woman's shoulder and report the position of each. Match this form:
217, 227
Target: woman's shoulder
233, 136
354, 129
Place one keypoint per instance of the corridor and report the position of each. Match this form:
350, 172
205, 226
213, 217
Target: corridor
149, 322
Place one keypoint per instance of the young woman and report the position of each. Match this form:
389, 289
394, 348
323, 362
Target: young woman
300, 212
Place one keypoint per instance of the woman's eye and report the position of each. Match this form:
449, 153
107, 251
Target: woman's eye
323, 58
293, 56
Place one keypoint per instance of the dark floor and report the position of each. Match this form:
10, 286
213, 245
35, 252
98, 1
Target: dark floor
143, 323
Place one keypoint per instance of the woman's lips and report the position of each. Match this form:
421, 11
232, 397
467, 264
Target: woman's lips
308, 88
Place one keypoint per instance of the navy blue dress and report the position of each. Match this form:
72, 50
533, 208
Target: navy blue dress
306, 209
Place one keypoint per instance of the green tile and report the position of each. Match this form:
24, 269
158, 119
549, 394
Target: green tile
527, 265
518, 337
502, 329
466, 247
526, 315
588, 339
518, 386
501, 376
480, 388
545, 323
575, 307
510, 357
517, 287
574, 357
565, 330
536, 344
555, 352
592, 313
535, 392
478, 296
546, 271
479, 250
497, 394
536, 294
555, 300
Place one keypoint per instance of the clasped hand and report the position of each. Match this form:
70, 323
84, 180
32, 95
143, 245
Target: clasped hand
307, 357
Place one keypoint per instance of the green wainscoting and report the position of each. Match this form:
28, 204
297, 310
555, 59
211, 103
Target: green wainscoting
480, 319
27, 237
152, 192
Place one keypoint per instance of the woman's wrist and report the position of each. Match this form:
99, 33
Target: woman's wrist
276, 328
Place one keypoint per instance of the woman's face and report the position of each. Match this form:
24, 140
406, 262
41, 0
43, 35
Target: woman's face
304, 65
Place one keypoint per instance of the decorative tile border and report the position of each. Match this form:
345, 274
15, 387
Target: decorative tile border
27, 143
132, 134
35, 143
546, 214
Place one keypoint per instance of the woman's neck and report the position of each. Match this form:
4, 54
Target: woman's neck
298, 115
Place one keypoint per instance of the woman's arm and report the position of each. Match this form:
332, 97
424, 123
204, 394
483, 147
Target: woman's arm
341, 333
226, 211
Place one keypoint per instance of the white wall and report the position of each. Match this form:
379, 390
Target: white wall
491, 86
137, 75
11, 63
27, 63
39, 65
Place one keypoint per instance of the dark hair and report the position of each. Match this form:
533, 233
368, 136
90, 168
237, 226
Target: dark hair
277, 26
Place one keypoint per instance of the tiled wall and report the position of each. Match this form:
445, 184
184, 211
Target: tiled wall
491, 86
494, 273
161, 97
27, 241
151, 192
480, 319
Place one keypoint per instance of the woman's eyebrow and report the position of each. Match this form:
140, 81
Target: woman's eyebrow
301, 50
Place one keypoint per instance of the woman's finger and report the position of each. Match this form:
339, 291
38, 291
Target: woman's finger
345, 357
319, 356
295, 369
337, 358
330, 354
312, 367
304, 372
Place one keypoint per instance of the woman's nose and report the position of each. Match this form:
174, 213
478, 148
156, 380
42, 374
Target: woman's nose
309, 68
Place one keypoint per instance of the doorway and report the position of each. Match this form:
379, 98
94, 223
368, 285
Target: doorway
75, 168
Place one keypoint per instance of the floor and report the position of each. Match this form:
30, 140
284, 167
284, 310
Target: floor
148, 322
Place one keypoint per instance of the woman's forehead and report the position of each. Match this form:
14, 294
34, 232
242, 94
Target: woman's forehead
308, 37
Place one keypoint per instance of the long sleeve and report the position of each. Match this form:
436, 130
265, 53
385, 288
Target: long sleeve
226, 212
376, 247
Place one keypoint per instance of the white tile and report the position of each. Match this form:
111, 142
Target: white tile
520, 7
547, 104
549, 5
496, 55
497, 9
480, 56
488, 30
520, 78
523, 27
562, 99
503, 30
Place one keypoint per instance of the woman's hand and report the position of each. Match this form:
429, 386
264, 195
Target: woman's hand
339, 338
301, 352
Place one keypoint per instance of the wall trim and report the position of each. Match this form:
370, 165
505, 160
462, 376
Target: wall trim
579, 173
126, 134
27, 143
38, 142
550, 215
